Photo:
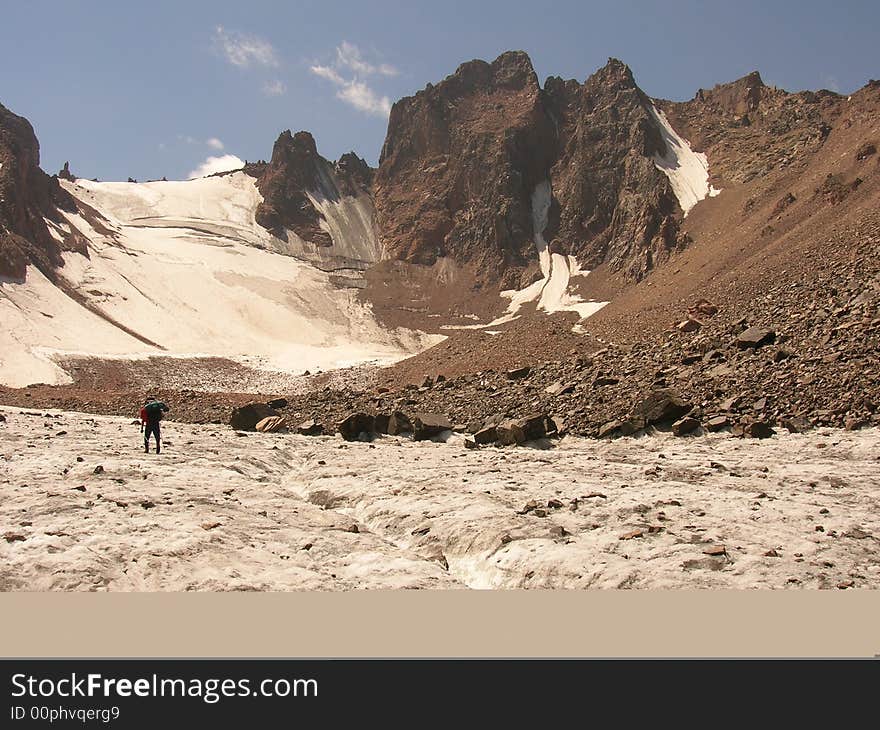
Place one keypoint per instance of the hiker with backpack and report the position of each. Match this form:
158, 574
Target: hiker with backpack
151, 414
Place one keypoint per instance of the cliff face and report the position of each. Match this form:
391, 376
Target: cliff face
458, 168
28, 196
612, 204
463, 158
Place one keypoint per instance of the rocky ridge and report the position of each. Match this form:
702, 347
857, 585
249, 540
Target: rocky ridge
28, 198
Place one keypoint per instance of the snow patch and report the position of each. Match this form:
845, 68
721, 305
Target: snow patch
688, 171
551, 290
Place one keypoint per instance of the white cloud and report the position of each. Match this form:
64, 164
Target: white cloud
217, 164
347, 73
274, 88
349, 56
325, 72
362, 97
214, 143
245, 50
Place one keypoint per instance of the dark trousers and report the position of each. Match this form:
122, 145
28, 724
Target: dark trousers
152, 427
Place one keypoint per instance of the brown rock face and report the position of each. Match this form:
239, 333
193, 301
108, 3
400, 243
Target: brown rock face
292, 172
611, 202
27, 197
462, 160
297, 172
459, 165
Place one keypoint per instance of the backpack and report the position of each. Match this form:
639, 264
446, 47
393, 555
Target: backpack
154, 409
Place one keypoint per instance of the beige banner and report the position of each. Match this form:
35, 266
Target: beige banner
443, 624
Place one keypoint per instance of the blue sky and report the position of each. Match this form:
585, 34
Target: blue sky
150, 89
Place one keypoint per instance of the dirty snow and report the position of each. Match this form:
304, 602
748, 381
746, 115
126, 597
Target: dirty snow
688, 171
188, 272
220, 511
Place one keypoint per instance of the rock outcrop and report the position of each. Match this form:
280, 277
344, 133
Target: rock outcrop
458, 167
28, 199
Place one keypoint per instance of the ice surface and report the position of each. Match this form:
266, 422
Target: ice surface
275, 511
187, 272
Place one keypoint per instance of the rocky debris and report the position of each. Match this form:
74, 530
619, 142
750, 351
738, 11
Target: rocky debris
2, 418
98, 469
755, 337
13, 537
865, 151
277, 403
246, 418
357, 426
272, 424
429, 425
310, 428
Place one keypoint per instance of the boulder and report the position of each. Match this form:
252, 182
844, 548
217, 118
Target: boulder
796, 424
272, 424
520, 430
689, 325
382, 421
559, 388
486, 435
310, 428
609, 429
702, 307
356, 424
518, 373
555, 426
246, 418
662, 407
399, 423
759, 430
717, 423
277, 403
428, 425
755, 337
685, 425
